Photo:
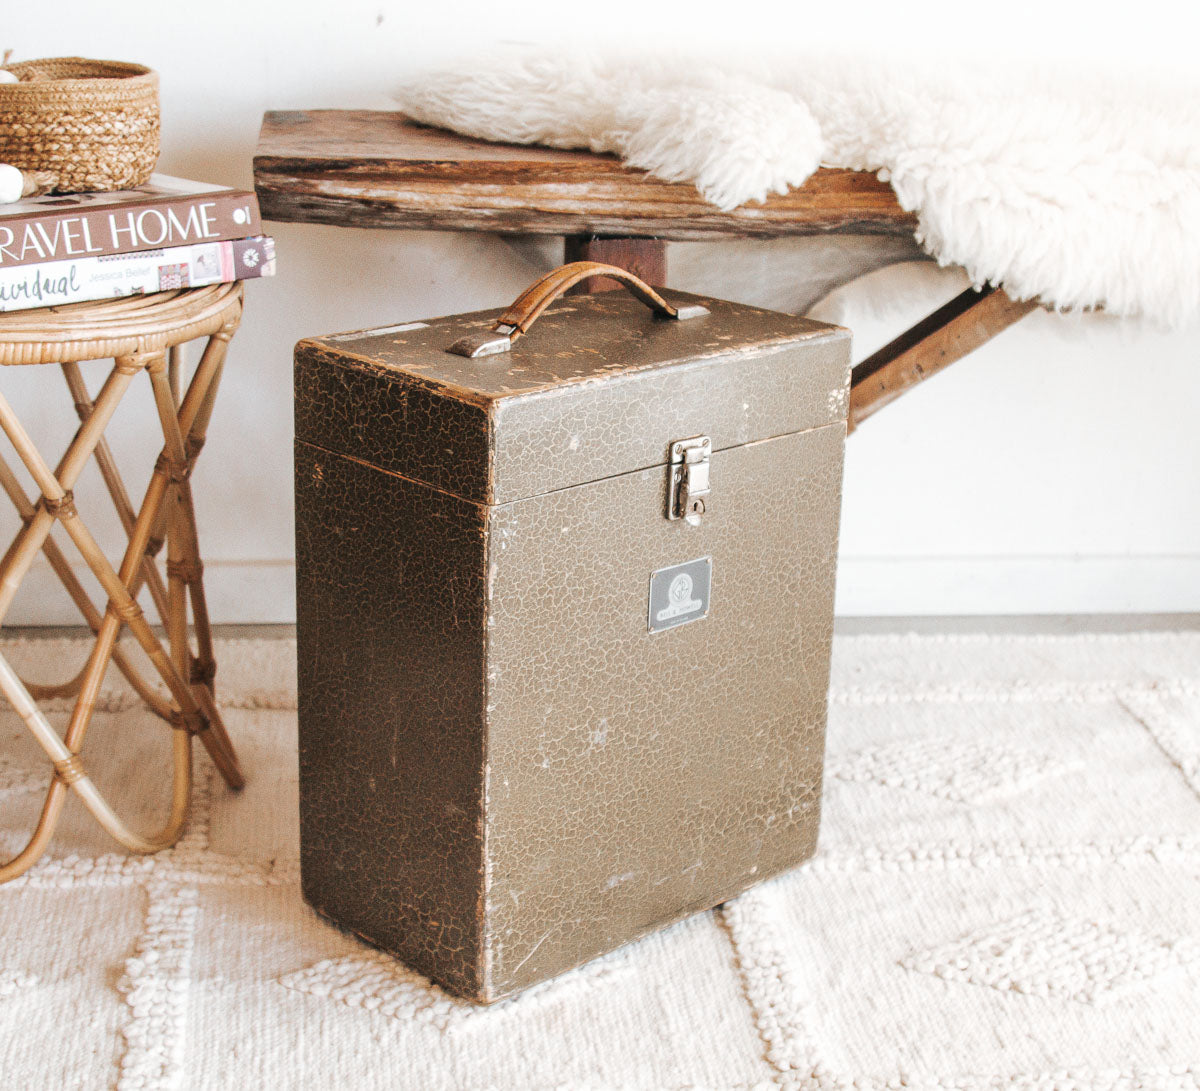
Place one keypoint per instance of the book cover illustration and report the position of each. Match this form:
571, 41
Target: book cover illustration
171, 277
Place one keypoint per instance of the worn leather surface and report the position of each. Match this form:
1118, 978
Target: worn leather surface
392, 421
529, 305
559, 439
520, 423
390, 598
503, 772
634, 777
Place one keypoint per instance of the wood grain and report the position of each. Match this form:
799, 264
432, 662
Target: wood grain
370, 168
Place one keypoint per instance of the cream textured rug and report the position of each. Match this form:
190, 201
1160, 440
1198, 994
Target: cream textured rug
1081, 189
1007, 895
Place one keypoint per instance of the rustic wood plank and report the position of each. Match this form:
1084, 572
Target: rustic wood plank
948, 334
644, 258
370, 168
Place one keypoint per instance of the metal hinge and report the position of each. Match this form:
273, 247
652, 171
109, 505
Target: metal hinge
688, 488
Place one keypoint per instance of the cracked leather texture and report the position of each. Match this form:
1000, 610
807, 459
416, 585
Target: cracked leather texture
390, 599
532, 420
503, 772
634, 777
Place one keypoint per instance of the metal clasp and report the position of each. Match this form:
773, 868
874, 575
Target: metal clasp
486, 343
689, 486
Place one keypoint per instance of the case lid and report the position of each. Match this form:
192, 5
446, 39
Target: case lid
599, 387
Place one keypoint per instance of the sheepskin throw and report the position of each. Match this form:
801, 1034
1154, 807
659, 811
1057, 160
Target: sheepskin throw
1080, 191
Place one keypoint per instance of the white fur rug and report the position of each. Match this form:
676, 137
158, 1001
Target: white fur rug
1081, 191
1007, 894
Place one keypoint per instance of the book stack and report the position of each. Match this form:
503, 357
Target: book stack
166, 234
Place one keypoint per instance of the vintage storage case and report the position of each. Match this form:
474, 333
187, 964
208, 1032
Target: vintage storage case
564, 618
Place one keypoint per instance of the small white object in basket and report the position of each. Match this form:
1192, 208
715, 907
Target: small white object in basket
12, 184
12, 181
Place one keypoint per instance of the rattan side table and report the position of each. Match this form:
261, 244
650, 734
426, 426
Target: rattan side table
140, 334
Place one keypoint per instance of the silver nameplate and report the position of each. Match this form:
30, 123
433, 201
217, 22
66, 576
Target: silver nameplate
680, 594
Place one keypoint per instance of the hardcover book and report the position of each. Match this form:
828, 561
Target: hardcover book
91, 278
165, 212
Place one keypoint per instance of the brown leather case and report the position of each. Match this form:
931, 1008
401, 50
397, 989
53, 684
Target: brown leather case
529, 732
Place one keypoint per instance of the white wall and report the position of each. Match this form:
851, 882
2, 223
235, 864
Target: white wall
1056, 470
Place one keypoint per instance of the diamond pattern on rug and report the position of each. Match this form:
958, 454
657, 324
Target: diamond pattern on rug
378, 982
205, 969
782, 1009
155, 986
13, 982
1040, 953
1172, 727
962, 773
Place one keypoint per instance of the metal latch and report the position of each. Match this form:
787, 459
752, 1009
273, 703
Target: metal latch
687, 492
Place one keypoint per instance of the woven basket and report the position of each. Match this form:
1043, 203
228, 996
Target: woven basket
91, 125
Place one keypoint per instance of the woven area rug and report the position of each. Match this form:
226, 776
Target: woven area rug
1007, 894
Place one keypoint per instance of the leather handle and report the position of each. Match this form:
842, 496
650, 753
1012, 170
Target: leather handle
531, 303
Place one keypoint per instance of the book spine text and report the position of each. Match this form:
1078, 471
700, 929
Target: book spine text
93, 278
81, 233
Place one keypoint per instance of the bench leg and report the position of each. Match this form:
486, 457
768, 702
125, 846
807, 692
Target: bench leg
948, 334
645, 258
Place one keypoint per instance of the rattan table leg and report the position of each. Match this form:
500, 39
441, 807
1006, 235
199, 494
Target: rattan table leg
69, 772
167, 512
124, 608
57, 501
55, 486
113, 480
194, 415
183, 557
144, 333
39, 841
62, 569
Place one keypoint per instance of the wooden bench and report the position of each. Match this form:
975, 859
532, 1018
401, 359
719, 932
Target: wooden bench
370, 168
